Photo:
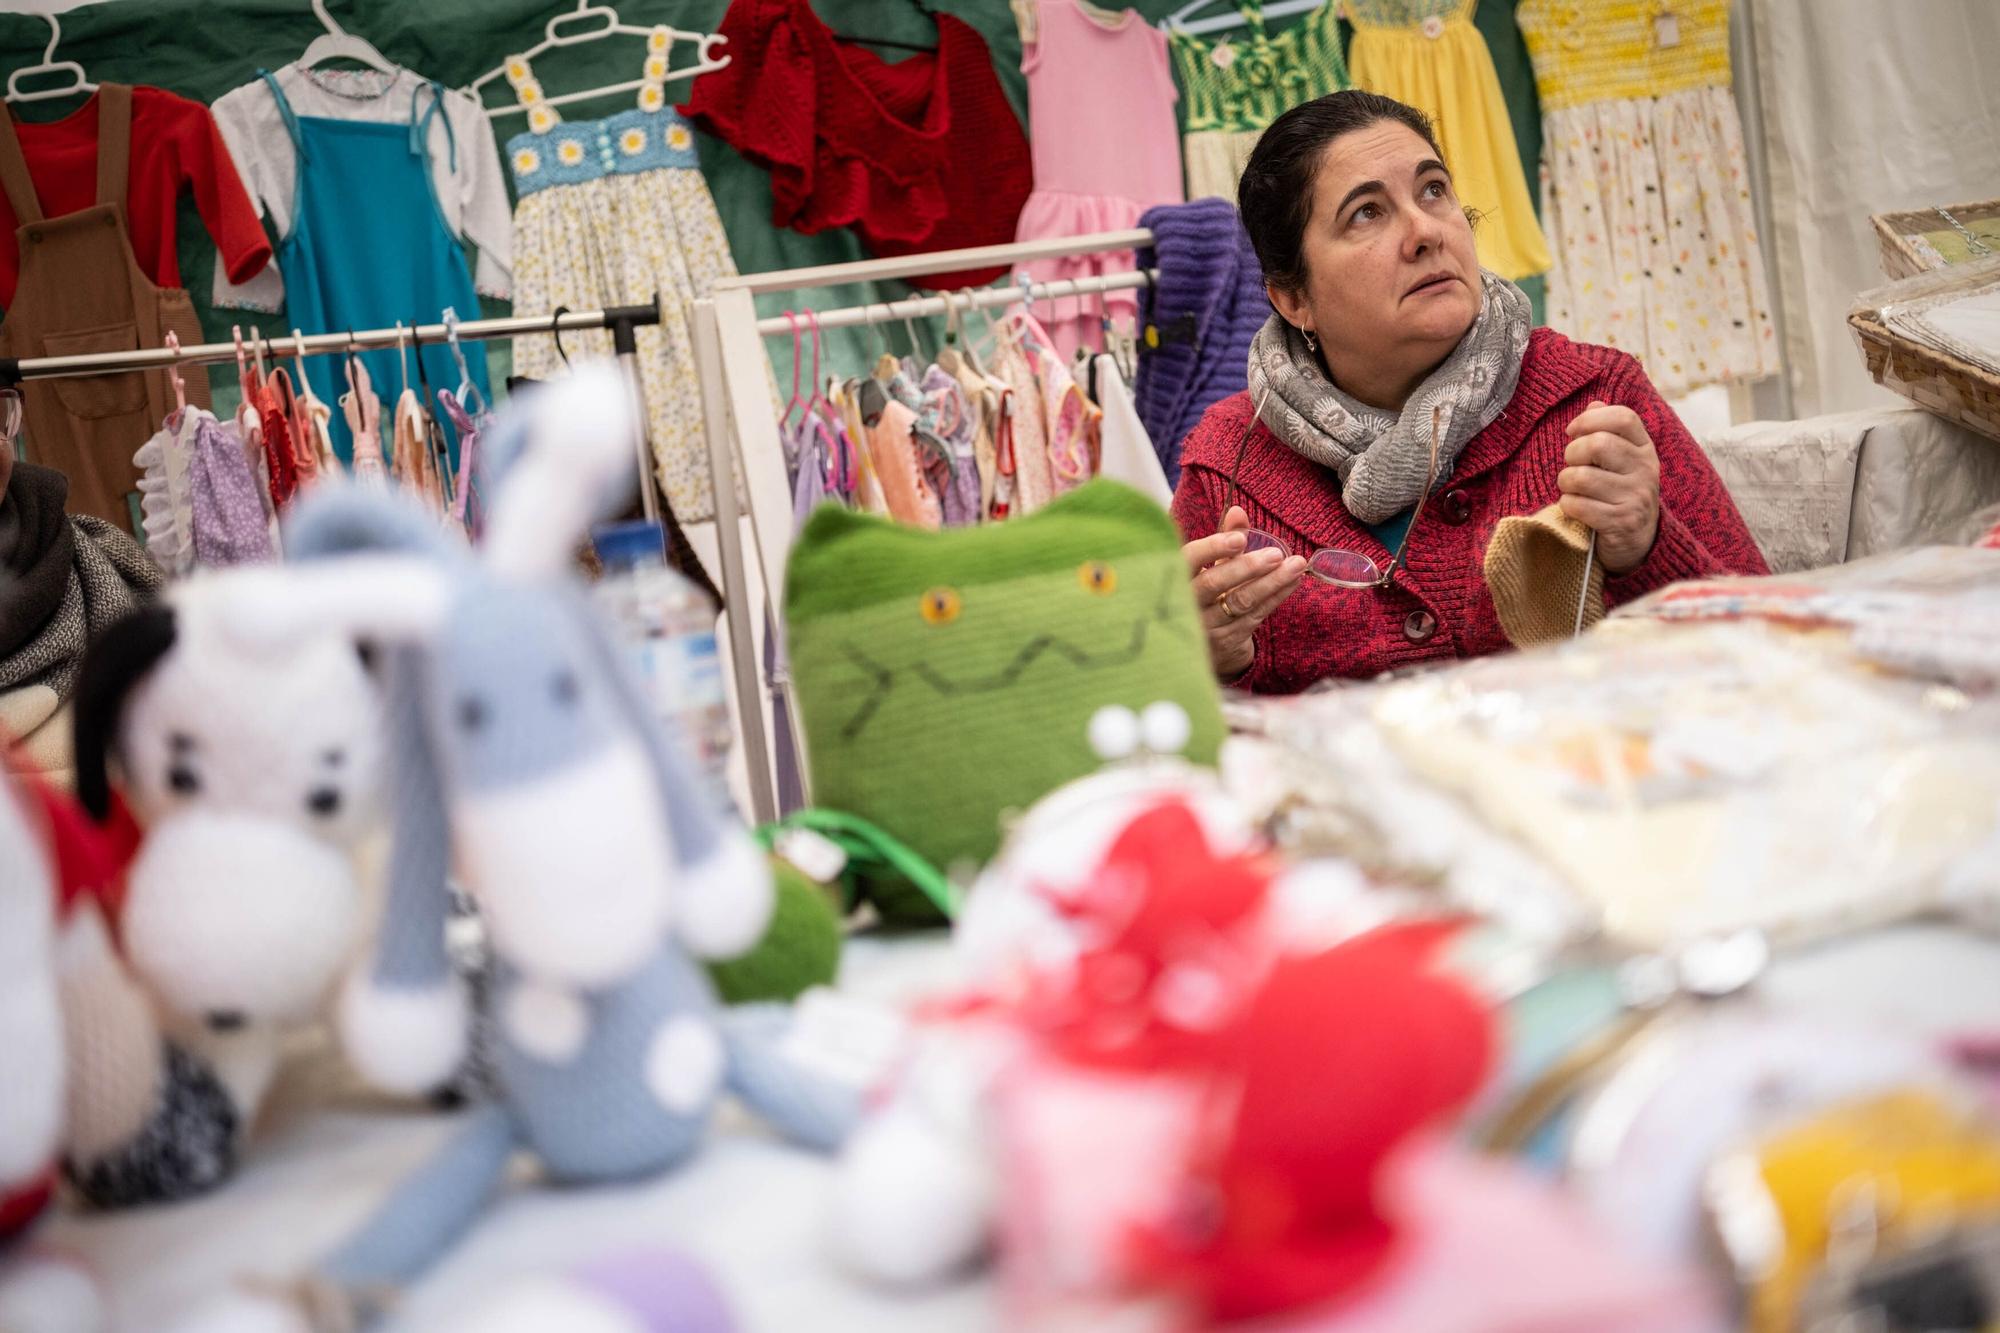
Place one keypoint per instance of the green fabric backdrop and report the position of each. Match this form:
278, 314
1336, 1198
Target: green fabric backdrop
203, 48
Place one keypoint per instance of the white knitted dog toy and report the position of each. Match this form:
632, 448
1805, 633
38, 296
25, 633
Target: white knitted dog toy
252, 763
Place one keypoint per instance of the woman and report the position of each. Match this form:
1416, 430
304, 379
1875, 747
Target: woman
1385, 327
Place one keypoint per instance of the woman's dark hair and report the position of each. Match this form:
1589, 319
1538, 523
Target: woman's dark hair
1275, 195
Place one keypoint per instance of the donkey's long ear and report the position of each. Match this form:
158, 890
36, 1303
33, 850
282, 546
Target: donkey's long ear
725, 897
403, 1014
116, 662
571, 458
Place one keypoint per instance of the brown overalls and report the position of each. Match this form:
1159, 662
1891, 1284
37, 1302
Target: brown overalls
81, 291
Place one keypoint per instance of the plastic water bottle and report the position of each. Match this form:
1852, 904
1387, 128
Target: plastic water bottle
668, 625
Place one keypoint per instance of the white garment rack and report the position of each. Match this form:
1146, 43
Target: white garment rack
740, 418
743, 429
621, 320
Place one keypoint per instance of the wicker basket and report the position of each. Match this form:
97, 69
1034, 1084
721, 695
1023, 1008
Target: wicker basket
1937, 381
1923, 239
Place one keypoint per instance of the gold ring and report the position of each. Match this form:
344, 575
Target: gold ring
1227, 609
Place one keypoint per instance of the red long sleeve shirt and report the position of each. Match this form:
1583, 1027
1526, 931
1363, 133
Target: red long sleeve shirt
175, 146
1439, 605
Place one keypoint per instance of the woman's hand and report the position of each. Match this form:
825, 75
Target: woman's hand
1236, 591
1612, 484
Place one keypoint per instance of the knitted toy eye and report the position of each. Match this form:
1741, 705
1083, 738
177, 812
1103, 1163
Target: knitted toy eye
1097, 577
563, 687
940, 606
471, 713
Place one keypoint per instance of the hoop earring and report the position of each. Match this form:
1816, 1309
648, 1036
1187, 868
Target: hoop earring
1312, 343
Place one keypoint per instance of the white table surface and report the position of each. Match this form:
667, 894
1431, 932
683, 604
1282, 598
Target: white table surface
748, 1207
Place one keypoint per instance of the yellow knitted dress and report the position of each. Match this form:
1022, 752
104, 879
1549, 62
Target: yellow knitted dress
1428, 54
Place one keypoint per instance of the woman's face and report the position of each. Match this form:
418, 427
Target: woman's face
1392, 276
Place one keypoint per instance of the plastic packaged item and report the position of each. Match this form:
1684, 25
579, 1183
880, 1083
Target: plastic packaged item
668, 626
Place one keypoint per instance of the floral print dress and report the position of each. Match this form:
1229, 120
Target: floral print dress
1645, 189
612, 211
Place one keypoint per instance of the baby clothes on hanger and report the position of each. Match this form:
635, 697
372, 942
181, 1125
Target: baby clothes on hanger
166, 503
982, 397
1071, 420
1236, 86
888, 427
468, 427
613, 211
363, 412
1645, 189
312, 434
412, 464
1125, 451
1427, 53
371, 181
1101, 105
81, 289
953, 420
923, 154
1022, 452
230, 525
173, 148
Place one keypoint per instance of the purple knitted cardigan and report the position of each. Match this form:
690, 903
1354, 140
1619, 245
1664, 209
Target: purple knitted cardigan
1207, 305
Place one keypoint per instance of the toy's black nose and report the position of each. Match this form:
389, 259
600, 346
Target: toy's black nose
225, 1020
323, 801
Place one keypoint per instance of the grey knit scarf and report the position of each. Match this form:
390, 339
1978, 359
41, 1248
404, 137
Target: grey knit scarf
1381, 457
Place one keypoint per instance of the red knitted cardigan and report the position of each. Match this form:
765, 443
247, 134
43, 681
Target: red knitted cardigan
923, 154
1439, 606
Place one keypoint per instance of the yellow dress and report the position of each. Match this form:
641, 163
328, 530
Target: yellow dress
1428, 54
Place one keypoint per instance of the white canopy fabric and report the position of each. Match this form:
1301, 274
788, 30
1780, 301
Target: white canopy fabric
1868, 108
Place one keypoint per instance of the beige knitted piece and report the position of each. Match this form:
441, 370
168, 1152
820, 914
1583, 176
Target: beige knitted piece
1534, 568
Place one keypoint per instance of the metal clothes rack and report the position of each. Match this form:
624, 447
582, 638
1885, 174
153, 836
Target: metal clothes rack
743, 429
623, 321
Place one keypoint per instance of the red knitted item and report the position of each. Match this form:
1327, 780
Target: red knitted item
1508, 468
924, 154
1340, 1058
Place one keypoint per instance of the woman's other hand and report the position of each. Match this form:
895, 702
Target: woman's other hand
1612, 484
1237, 590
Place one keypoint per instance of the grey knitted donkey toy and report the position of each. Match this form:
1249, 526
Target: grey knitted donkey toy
528, 762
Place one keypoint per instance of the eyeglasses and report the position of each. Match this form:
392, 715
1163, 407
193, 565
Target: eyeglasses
1342, 569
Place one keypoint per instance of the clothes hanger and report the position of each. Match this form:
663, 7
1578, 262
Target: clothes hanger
792, 404
555, 331
833, 423
49, 65
180, 385
469, 396
556, 33
922, 7
10, 417
340, 44
1178, 20
949, 357
402, 360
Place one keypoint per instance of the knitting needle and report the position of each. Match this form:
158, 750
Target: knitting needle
1583, 597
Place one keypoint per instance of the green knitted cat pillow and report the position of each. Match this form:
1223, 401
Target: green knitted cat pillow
947, 679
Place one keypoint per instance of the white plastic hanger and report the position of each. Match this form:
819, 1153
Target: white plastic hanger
340, 44
49, 65
1178, 21
557, 33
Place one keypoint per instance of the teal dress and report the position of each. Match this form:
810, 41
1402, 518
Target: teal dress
369, 247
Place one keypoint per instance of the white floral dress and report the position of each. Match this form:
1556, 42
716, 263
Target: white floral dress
612, 211
1645, 191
